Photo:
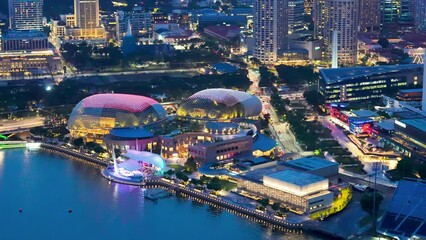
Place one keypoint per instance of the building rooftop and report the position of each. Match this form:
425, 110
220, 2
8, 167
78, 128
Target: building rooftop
221, 125
224, 67
405, 215
388, 124
335, 75
309, 163
414, 90
132, 133
419, 123
23, 34
296, 178
264, 143
365, 113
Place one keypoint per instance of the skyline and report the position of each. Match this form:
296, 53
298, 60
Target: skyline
303, 118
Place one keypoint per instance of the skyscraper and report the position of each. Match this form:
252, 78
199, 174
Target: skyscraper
420, 16
342, 16
87, 20
390, 10
295, 15
369, 11
269, 29
26, 14
319, 14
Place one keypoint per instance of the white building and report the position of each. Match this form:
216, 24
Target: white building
342, 16
269, 29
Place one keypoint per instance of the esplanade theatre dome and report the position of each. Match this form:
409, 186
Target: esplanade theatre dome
95, 115
220, 104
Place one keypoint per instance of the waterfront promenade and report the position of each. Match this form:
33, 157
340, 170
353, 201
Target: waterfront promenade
181, 190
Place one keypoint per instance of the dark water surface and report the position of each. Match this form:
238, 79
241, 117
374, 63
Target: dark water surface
45, 187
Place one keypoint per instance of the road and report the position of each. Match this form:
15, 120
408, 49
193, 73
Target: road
279, 130
14, 125
185, 70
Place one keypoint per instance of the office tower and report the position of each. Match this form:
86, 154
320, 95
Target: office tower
369, 20
140, 21
406, 12
309, 4
319, 14
420, 16
269, 29
26, 14
87, 20
295, 15
343, 16
389, 11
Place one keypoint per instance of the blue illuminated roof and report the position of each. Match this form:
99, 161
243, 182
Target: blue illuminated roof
365, 113
360, 120
224, 67
264, 143
131, 133
309, 163
419, 123
334, 75
413, 90
221, 125
296, 178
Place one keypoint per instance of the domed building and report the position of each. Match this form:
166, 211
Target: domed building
94, 116
220, 104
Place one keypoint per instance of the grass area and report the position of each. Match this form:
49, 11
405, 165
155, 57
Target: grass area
359, 169
338, 151
176, 167
338, 205
345, 160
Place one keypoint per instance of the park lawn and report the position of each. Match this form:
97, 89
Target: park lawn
338, 205
176, 167
345, 160
359, 169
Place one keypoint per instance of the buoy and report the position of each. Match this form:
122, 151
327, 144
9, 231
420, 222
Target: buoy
20, 210
69, 210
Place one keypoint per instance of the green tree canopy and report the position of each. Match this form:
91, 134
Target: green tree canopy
367, 202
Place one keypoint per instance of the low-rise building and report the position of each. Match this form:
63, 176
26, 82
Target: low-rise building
24, 41
363, 83
404, 217
313, 165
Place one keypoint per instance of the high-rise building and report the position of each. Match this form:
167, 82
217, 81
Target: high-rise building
87, 20
140, 21
406, 12
269, 29
319, 14
295, 15
369, 11
343, 17
26, 14
420, 15
309, 4
389, 10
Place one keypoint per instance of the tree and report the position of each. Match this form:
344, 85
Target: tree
191, 165
367, 202
98, 149
264, 201
383, 42
276, 206
182, 176
78, 142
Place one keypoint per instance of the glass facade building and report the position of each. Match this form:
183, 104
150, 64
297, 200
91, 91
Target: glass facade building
363, 83
26, 14
220, 104
95, 116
